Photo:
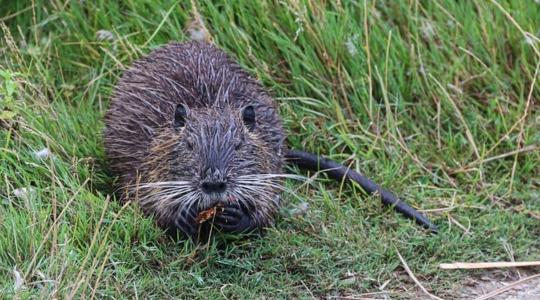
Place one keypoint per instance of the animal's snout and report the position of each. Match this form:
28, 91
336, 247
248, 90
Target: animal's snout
214, 186
214, 182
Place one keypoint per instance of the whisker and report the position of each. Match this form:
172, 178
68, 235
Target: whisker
163, 193
258, 188
161, 184
266, 176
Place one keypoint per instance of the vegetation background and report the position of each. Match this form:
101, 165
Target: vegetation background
436, 100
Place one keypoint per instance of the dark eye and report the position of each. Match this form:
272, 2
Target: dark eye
189, 144
248, 116
238, 144
180, 115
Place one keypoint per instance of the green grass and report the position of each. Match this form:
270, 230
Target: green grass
425, 100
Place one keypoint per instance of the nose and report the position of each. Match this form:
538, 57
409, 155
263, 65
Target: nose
211, 187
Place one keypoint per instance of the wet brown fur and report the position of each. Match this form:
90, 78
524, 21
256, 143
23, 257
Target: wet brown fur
143, 147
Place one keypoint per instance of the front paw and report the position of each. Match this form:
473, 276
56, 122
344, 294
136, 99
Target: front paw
186, 223
234, 219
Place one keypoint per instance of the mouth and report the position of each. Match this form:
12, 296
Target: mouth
210, 213
210, 200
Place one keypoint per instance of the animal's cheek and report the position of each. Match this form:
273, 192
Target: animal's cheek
182, 172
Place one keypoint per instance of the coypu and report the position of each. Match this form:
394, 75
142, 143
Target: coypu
189, 129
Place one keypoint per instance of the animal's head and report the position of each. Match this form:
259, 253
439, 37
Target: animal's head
208, 157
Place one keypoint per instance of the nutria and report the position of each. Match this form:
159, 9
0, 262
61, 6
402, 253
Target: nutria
188, 129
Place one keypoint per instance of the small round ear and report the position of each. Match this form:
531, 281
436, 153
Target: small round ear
180, 115
248, 116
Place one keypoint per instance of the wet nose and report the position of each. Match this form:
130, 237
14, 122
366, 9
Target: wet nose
211, 187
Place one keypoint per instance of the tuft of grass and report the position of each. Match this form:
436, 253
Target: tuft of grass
436, 100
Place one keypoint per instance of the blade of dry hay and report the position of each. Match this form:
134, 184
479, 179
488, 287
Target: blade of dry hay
487, 265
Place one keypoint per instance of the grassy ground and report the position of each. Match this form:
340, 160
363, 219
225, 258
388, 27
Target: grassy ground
438, 101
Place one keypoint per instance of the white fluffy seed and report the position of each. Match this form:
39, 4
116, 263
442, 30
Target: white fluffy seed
529, 40
19, 280
105, 35
43, 153
300, 210
23, 192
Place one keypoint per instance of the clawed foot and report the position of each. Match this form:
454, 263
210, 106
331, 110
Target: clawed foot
187, 223
234, 219
231, 219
